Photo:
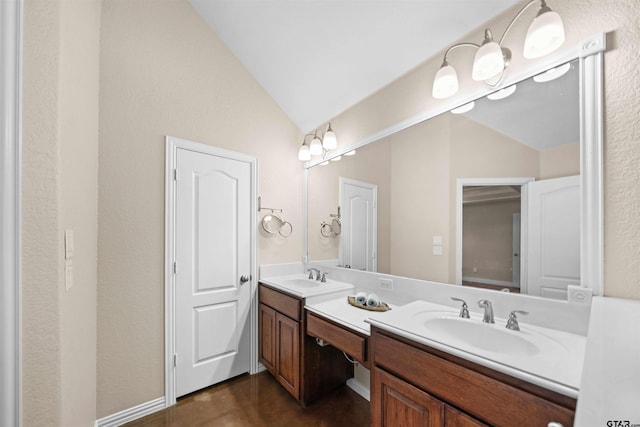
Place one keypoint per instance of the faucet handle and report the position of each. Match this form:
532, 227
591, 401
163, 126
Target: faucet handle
324, 277
512, 322
464, 310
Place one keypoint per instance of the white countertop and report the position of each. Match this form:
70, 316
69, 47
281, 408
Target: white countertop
610, 389
299, 285
544, 368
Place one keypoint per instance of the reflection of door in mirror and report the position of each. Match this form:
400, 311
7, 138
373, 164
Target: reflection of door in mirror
358, 241
553, 253
488, 235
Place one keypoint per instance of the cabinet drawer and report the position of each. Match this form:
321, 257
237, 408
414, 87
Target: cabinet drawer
285, 304
339, 337
486, 398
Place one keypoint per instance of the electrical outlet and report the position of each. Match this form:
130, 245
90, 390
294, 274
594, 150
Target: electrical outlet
580, 295
385, 284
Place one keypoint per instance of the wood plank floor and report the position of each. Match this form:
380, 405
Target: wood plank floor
258, 400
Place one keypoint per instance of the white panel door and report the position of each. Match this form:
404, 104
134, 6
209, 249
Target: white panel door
553, 255
358, 239
213, 252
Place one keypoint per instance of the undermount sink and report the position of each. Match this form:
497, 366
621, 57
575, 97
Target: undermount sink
303, 283
488, 337
301, 286
474, 335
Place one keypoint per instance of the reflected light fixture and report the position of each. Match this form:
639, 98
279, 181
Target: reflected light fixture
552, 74
464, 108
321, 143
545, 35
502, 93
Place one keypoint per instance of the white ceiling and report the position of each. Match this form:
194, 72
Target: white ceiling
317, 58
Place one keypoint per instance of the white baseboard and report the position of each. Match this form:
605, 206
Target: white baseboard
131, 414
490, 282
357, 386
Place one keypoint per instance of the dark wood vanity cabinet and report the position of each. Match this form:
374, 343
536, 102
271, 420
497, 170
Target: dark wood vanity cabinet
416, 385
304, 369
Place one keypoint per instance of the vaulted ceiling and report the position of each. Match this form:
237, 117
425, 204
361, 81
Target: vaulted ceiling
317, 58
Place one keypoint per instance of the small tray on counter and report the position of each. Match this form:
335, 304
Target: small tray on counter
382, 307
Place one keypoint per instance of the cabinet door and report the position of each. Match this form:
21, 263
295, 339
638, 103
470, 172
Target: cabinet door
288, 354
455, 418
267, 344
397, 403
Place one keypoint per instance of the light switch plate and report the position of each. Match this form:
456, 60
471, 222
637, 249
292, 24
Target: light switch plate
437, 240
437, 250
68, 244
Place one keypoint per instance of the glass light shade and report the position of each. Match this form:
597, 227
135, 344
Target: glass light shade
350, 153
445, 82
336, 159
304, 154
329, 141
488, 63
546, 34
316, 147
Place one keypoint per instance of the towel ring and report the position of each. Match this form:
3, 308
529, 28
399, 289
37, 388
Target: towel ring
272, 223
283, 227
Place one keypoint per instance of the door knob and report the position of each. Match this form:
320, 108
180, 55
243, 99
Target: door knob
244, 279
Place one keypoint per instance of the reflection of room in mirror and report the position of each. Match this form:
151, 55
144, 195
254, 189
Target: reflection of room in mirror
527, 134
491, 237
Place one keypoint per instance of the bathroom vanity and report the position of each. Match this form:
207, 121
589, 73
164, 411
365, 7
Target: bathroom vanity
428, 365
305, 369
416, 385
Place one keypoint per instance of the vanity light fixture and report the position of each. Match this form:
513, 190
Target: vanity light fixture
545, 34
321, 143
350, 153
502, 94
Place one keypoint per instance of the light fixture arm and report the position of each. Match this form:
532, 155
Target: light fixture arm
543, 4
457, 45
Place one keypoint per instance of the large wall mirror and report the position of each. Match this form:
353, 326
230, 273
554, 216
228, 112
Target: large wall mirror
492, 193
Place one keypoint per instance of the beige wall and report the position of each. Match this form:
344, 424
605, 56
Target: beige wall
410, 96
563, 160
164, 72
369, 165
487, 241
420, 197
60, 126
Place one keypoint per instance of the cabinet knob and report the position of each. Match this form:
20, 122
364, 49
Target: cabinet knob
244, 279
554, 424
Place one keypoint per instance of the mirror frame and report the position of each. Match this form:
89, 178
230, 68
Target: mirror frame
590, 54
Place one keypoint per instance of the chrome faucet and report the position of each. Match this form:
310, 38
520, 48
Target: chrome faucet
512, 323
311, 270
324, 277
488, 310
464, 310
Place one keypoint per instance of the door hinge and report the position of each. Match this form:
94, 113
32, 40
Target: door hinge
175, 174
175, 360
175, 268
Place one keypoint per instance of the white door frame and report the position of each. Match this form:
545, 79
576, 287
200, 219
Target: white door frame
172, 145
465, 182
10, 212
